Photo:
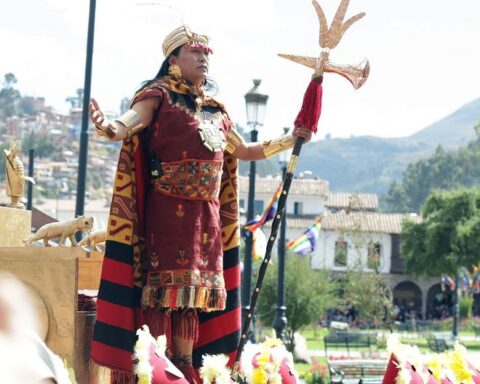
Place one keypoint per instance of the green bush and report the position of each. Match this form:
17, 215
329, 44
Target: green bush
466, 306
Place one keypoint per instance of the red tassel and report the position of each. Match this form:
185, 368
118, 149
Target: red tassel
312, 106
158, 322
184, 324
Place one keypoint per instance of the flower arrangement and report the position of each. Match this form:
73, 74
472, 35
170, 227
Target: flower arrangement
143, 368
151, 363
266, 363
214, 370
409, 366
317, 374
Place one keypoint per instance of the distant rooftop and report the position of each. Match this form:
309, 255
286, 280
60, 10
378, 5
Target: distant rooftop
355, 221
267, 185
367, 221
352, 201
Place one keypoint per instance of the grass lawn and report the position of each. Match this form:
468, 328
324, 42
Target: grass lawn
314, 339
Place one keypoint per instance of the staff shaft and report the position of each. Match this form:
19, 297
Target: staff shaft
282, 201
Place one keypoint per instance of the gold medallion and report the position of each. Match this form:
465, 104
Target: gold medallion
212, 136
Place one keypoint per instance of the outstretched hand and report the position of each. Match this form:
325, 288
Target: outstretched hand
305, 133
102, 126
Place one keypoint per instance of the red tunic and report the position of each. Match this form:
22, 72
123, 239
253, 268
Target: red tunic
183, 234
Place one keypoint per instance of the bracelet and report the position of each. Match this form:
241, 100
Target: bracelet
131, 120
107, 132
275, 146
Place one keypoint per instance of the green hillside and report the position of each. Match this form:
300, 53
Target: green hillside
371, 164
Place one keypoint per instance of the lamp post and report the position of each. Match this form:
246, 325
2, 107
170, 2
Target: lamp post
280, 320
83, 153
255, 102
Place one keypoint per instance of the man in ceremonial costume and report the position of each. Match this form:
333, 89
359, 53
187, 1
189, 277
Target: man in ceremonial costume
171, 258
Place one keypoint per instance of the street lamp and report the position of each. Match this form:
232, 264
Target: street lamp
83, 153
255, 102
280, 320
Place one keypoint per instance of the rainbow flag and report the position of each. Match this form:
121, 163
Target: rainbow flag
306, 243
268, 213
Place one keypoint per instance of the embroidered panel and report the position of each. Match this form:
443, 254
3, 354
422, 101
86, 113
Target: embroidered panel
185, 277
190, 179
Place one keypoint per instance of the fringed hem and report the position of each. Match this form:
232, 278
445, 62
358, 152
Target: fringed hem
103, 375
184, 324
175, 297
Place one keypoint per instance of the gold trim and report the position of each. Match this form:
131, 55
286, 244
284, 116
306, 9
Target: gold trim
292, 165
234, 140
275, 146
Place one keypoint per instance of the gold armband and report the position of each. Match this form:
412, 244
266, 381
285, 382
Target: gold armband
131, 120
234, 140
275, 146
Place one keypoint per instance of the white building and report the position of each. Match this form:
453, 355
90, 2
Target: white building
352, 233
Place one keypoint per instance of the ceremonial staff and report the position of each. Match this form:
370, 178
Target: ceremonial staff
308, 118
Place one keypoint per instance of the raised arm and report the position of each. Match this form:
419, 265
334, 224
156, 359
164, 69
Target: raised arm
238, 147
133, 120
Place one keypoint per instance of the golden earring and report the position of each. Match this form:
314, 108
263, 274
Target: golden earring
174, 71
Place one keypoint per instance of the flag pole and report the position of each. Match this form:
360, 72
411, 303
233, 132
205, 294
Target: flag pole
282, 201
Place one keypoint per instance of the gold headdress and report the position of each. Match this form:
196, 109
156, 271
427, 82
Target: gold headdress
181, 36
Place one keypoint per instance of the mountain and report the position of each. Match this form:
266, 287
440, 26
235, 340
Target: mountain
371, 164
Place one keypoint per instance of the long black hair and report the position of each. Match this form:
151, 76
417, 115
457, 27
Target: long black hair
209, 86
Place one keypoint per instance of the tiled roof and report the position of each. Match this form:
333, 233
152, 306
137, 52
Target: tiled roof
298, 221
367, 221
267, 185
355, 201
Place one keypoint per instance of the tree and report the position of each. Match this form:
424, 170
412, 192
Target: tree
26, 106
3, 158
9, 97
443, 170
42, 144
447, 239
361, 286
308, 294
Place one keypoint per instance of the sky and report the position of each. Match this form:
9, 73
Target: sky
424, 56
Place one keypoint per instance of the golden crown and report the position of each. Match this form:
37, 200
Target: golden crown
181, 36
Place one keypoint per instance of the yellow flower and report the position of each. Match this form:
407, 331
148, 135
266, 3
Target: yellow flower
436, 367
459, 366
259, 376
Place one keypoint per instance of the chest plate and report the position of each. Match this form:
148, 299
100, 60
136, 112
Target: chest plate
212, 136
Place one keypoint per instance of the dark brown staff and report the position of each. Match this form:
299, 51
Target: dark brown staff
308, 118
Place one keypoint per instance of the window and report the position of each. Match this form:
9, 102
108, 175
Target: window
374, 255
297, 208
341, 251
258, 207
242, 203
